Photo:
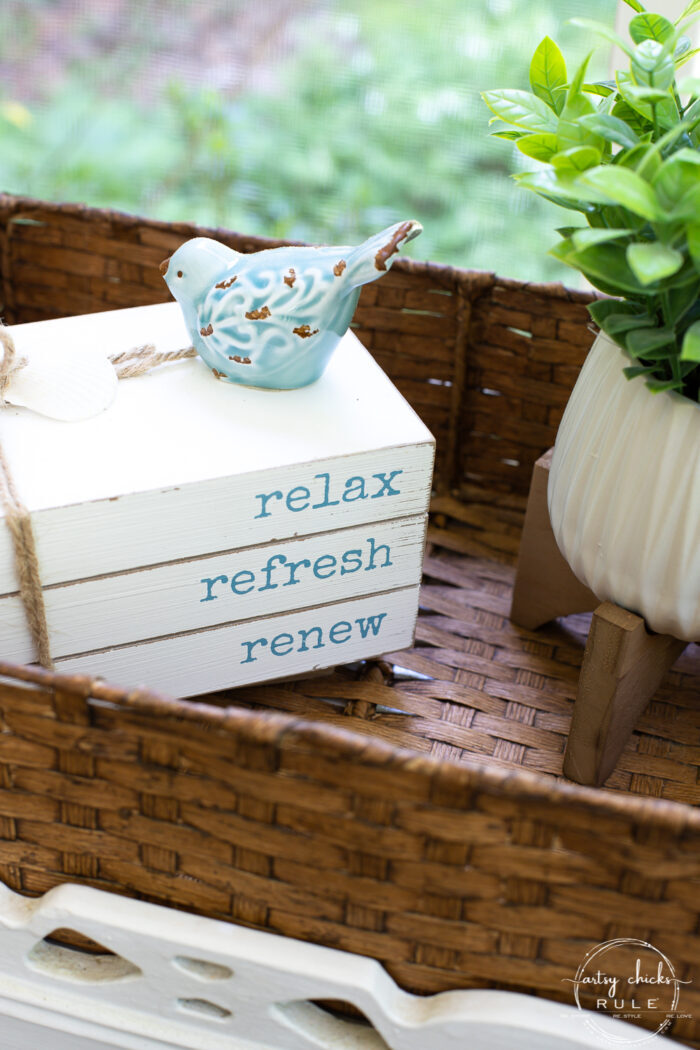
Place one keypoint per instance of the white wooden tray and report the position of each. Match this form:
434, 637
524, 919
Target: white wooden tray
179, 980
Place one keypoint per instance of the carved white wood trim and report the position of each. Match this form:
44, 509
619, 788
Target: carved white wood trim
179, 980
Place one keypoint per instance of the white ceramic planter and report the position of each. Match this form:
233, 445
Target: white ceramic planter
624, 493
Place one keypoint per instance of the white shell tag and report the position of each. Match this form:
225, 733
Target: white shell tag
69, 385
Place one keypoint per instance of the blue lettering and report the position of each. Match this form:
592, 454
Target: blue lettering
210, 581
341, 627
240, 579
304, 634
303, 494
372, 623
352, 485
293, 566
250, 646
325, 502
386, 489
326, 561
374, 550
268, 569
282, 644
264, 513
353, 558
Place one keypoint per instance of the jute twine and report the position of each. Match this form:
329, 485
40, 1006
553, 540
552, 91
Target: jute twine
129, 363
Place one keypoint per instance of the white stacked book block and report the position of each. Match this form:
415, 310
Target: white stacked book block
199, 535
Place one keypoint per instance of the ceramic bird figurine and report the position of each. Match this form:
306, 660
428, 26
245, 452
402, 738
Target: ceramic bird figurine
274, 318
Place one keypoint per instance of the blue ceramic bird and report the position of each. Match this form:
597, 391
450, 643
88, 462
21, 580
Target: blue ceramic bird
273, 318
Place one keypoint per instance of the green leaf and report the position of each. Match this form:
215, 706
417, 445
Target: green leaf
651, 27
653, 261
680, 301
570, 132
521, 108
653, 65
690, 351
642, 158
635, 5
632, 371
604, 88
620, 324
512, 136
577, 81
693, 234
686, 56
552, 184
569, 231
605, 307
692, 8
650, 95
658, 386
690, 86
663, 353
602, 30
563, 185
548, 75
625, 187
604, 265
585, 237
643, 342
677, 176
692, 114
667, 114
635, 120
684, 44
541, 146
578, 159
687, 208
610, 128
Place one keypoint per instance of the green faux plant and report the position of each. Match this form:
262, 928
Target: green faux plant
626, 155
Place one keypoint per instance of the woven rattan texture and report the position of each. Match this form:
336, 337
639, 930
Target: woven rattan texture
414, 815
487, 363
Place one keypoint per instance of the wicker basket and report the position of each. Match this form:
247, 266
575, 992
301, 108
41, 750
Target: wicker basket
416, 817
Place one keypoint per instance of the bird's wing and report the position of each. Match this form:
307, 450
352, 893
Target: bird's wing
273, 291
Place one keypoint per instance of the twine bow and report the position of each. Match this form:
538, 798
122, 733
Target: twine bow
10, 364
19, 523
128, 363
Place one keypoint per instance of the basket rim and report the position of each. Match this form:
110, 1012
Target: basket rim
477, 281
286, 730
277, 728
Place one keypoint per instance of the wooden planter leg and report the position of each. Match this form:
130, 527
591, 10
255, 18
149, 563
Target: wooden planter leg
622, 667
545, 586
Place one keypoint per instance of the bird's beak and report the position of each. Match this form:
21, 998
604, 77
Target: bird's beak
164, 266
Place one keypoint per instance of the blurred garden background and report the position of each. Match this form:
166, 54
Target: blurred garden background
315, 120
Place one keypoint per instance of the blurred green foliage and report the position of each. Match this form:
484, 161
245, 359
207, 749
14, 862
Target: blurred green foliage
371, 114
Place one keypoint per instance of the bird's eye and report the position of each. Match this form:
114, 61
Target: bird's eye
179, 273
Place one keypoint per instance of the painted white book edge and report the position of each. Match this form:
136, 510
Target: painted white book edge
114, 535
179, 425
223, 588
259, 650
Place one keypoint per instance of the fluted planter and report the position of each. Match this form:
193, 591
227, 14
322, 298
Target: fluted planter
624, 493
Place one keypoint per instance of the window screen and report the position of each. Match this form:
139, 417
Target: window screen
316, 120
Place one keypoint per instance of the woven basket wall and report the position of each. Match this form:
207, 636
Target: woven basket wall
417, 816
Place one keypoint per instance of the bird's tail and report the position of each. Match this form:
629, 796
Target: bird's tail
370, 259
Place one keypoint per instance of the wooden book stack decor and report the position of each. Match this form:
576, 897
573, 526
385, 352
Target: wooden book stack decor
198, 535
